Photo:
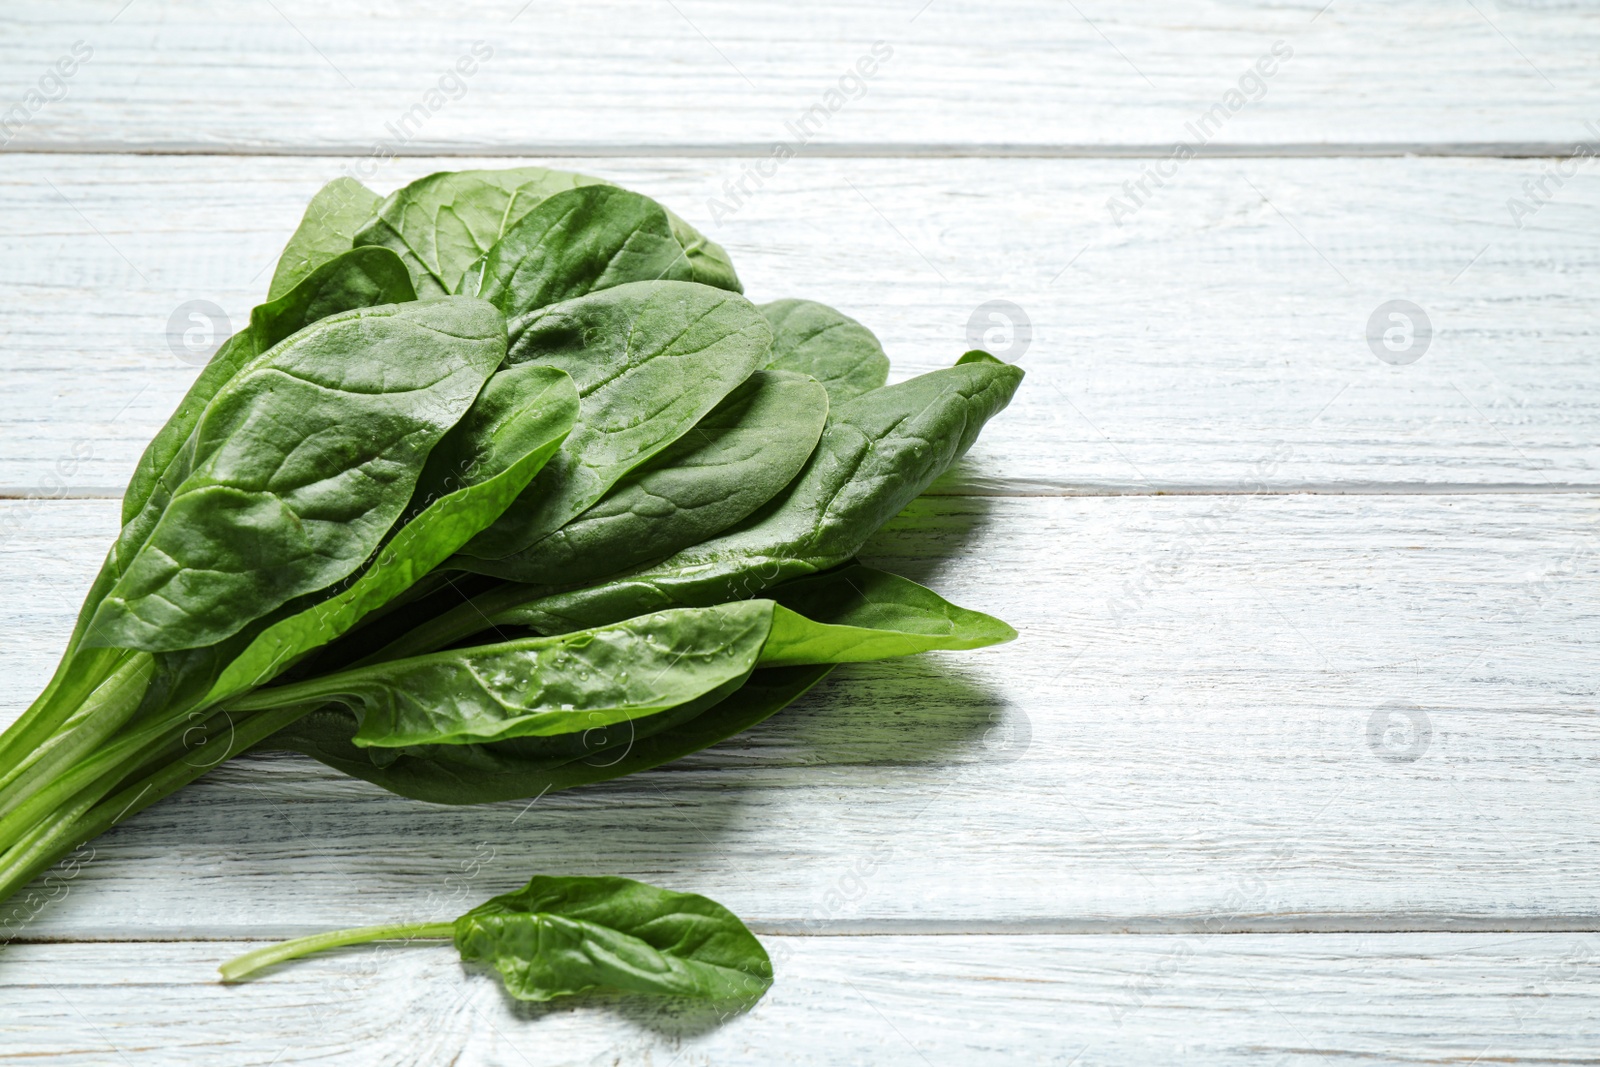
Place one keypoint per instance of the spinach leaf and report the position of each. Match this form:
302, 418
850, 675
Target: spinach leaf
735, 459
541, 686
443, 223
295, 470
493, 693
833, 348
879, 452
513, 427
574, 243
364, 277
328, 229
856, 614
650, 359
507, 770
707, 259
560, 936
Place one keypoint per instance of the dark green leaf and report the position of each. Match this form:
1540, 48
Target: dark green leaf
542, 686
650, 359
364, 277
856, 614
836, 350
560, 936
328, 229
734, 460
296, 470
879, 452
513, 427
482, 774
443, 223
574, 243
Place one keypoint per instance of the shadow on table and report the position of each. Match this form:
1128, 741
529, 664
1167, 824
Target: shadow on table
673, 1017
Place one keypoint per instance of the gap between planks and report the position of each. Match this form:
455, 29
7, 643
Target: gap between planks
842, 150
1024, 491
1287, 926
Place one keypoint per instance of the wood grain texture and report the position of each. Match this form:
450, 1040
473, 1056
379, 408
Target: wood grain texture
298, 75
1214, 340
1030, 1000
1236, 713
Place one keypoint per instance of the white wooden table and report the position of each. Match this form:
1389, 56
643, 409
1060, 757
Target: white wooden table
1294, 761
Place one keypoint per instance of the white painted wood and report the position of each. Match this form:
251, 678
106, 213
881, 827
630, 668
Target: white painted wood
1030, 1000
298, 75
1214, 340
1209, 722
1195, 732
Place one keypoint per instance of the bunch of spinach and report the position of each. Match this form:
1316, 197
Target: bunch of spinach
506, 488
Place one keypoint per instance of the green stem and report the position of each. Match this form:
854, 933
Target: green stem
102, 769
76, 678
106, 710
244, 966
84, 818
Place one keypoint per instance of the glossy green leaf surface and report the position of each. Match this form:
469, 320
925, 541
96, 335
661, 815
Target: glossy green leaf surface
879, 452
327, 230
366, 277
545, 685
558, 936
574, 243
856, 614
735, 459
485, 773
296, 470
513, 427
639, 494
440, 225
650, 360
836, 350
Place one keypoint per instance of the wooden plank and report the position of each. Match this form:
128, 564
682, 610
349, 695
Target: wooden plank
1236, 713
1255, 999
1216, 339
299, 75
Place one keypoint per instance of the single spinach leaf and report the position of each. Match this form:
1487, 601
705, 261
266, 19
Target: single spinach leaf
879, 452
856, 614
328, 229
735, 459
574, 243
443, 223
650, 359
296, 469
507, 770
561, 936
541, 686
364, 277
513, 427
833, 348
